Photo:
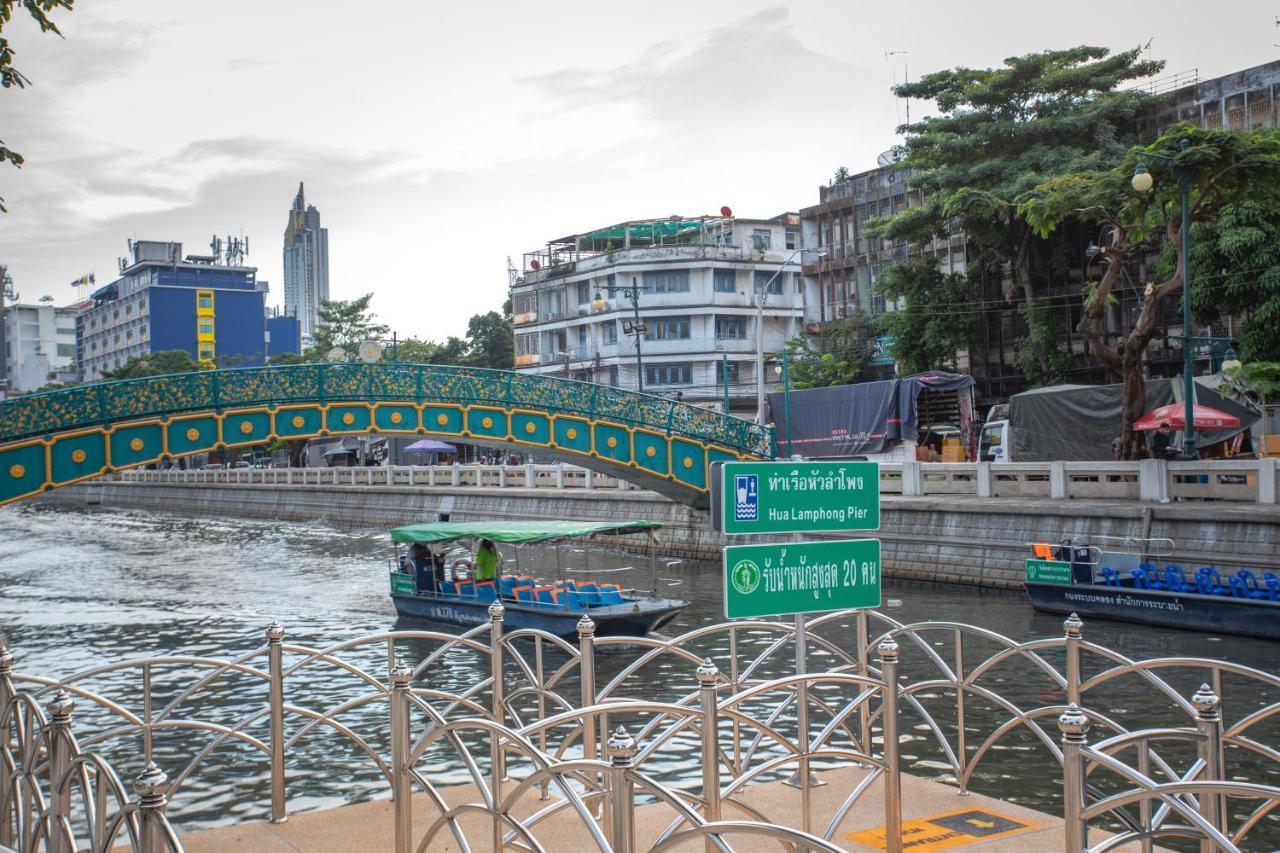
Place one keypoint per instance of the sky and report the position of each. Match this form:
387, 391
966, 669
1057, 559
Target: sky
437, 139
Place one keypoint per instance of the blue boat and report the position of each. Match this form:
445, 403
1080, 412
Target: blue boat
554, 606
1137, 585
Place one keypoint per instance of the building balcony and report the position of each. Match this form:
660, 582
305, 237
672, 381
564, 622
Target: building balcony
553, 268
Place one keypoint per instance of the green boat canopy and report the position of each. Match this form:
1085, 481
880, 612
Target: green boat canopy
512, 531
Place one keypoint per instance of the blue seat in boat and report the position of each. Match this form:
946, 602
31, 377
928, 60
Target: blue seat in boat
467, 589
508, 584
1110, 576
523, 592
1209, 582
572, 600
1176, 579
548, 595
1152, 579
449, 589
486, 591
1250, 584
1273, 587
1237, 587
590, 594
610, 594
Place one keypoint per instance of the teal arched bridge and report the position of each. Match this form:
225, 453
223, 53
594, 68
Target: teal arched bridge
61, 437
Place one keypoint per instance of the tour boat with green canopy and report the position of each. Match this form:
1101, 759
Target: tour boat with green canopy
422, 584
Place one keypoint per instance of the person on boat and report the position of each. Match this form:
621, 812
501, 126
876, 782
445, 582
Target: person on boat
486, 562
428, 568
1162, 446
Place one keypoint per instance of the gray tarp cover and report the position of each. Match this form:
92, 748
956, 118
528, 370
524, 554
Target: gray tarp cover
845, 420
1077, 423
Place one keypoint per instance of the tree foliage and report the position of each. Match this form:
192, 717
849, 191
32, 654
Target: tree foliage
1222, 168
933, 322
490, 341
346, 324
1260, 379
10, 76
1235, 271
837, 355
154, 364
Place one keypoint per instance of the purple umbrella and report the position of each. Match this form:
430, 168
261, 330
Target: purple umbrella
430, 445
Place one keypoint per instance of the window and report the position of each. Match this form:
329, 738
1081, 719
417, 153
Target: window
128, 336
527, 344
206, 353
584, 292
761, 239
667, 281
667, 329
128, 310
726, 281
733, 372
668, 374
793, 238
582, 336
733, 328
769, 280
206, 327
115, 315
205, 302
609, 333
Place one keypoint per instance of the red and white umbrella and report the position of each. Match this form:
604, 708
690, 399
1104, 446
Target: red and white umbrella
1175, 415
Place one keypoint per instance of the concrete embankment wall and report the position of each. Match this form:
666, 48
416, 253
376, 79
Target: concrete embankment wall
980, 541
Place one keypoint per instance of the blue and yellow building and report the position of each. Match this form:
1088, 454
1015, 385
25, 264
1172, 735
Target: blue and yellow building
166, 301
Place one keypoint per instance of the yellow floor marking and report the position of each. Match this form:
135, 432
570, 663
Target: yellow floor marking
946, 831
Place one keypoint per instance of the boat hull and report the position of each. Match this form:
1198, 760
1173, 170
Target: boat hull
1212, 614
630, 619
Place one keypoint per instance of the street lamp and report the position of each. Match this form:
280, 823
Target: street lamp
784, 370
761, 293
635, 328
1142, 182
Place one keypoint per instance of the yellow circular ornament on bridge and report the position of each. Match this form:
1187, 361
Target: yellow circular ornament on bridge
348, 418
298, 421
246, 427
688, 463
487, 423
650, 452
17, 472
612, 442
396, 417
442, 419
571, 433
529, 428
77, 456
193, 434
135, 445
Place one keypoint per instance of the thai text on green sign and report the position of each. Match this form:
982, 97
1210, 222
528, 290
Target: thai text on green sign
784, 578
1048, 571
799, 497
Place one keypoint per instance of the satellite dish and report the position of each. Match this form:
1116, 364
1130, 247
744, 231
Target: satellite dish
889, 157
336, 354
535, 265
370, 351
726, 211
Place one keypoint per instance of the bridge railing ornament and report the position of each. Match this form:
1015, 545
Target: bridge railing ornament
528, 724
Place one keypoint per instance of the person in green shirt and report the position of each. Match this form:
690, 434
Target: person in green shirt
486, 561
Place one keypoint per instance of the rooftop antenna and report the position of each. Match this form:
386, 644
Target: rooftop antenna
513, 275
906, 75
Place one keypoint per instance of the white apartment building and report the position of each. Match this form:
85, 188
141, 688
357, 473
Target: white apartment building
697, 281
40, 345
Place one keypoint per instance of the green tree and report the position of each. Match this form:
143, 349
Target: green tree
934, 320
11, 77
160, 363
416, 351
837, 355
1223, 168
1260, 379
1039, 353
490, 341
346, 324
1235, 271
999, 133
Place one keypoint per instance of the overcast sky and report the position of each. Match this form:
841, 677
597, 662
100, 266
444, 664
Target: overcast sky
438, 138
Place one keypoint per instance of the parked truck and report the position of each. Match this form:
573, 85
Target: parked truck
1078, 423
929, 415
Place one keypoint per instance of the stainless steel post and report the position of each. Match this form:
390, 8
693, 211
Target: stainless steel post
6, 781
622, 750
496, 611
708, 676
1209, 724
587, 668
802, 779
864, 713
151, 786
1072, 626
59, 759
401, 790
275, 662
889, 723
1074, 725
961, 751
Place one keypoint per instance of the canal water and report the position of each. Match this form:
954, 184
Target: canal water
80, 588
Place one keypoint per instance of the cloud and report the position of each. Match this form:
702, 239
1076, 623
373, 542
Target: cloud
242, 63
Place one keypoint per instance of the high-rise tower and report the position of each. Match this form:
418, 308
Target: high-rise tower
306, 265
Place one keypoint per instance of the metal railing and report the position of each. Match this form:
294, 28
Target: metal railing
544, 715
1248, 481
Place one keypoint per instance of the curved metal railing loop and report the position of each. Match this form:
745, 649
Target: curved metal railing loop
1011, 648
440, 726
22, 798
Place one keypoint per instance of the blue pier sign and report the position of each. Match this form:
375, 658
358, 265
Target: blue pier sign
796, 497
